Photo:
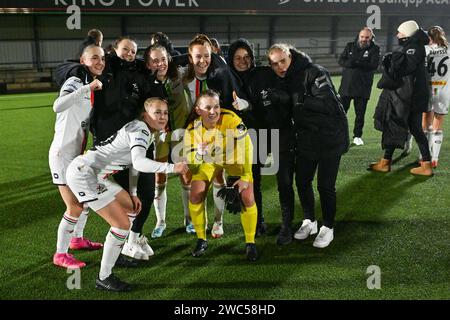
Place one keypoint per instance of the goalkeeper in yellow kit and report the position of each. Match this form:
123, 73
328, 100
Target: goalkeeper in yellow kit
217, 139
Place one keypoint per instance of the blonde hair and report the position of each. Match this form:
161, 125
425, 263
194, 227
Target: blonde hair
89, 47
283, 47
149, 102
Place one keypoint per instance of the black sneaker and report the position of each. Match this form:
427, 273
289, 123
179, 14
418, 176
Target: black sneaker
200, 248
112, 283
284, 236
250, 251
124, 262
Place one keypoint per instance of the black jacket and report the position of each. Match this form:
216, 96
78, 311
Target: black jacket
399, 95
223, 80
410, 61
122, 97
320, 120
359, 67
271, 105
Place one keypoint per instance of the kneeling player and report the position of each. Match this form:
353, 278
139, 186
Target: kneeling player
218, 140
85, 178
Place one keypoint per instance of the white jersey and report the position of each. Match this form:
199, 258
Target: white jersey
72, 120
114, 154
438, 60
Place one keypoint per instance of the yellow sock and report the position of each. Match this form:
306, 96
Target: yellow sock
197, 212
249, 217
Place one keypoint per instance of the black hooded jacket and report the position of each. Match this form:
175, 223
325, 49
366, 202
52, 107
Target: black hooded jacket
244, 44
405, 84
359, 67
221, 79
320, 120
411, 61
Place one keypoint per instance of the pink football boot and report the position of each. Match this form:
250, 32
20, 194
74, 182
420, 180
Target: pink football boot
84, 244
66, 260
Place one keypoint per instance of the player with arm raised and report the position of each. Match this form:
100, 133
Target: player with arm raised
71, 130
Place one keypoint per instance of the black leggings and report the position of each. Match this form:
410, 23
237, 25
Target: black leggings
415, 127
145, 192
327, 170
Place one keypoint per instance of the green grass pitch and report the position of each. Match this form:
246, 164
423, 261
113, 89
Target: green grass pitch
396, 221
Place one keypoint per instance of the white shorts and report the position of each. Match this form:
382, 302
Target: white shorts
89, 187
440, 100
58, 166
438, 106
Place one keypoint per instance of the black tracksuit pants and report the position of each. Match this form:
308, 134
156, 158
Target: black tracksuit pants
415, 127
327, 170
360, 112
145, 192
285, 180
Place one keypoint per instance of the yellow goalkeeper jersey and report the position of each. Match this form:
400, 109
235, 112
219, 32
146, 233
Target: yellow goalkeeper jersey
228, 143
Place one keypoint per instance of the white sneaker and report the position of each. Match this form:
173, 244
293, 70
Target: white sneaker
143, 241
134, 250
306, 229
358, 141
217, 230
324, 237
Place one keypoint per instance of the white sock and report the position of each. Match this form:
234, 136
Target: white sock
160, 203
111, 250
430, 138
65, 231
219, 203
185, 198
133, 236
81, 223
436, 143
131, 217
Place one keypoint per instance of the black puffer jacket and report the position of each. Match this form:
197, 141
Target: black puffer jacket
320, 120
223, 80
406, 89
271, 105
359, 67
410, 61
122, 97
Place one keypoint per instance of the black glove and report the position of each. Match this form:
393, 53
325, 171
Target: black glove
387, 58
231, 195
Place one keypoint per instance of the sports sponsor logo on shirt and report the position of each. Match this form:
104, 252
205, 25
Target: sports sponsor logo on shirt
410, 51
137, 139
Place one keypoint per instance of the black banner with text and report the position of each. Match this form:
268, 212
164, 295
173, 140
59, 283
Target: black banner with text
268, 7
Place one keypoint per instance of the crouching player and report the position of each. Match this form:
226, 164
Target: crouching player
217, 139
71, 129
86, 173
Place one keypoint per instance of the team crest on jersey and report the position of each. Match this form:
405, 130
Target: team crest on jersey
410, 51
84, 125
366, 54
101, 188
241, 128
